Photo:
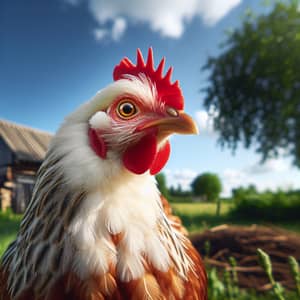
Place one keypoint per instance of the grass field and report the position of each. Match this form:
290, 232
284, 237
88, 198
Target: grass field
199, 216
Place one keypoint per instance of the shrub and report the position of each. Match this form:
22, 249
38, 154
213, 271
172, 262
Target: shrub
268, 206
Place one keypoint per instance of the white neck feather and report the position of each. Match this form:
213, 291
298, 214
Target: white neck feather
129, 206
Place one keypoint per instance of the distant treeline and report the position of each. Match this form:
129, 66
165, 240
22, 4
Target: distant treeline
268, 205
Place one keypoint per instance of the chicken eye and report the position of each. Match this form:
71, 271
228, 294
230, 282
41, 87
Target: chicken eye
126, 110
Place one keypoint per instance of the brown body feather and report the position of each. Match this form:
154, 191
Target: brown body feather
154, 285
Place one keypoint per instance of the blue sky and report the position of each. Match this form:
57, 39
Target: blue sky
56, 54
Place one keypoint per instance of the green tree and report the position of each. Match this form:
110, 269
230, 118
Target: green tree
254, 83
162, 184
207, 185
241, 192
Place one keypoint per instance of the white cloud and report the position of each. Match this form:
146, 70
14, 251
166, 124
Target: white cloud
183, 177
214, 10
100, 33
273, 174
271, 165
205, 122
116, 32
118, 28
232, 178
235, 178
168, 17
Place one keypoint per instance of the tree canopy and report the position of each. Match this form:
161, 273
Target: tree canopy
240, 192
208, 185
254, 83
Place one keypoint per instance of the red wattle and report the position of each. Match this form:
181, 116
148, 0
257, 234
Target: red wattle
161, 158
139, 157
97, 143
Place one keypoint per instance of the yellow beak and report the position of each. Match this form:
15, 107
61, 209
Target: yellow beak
180, 123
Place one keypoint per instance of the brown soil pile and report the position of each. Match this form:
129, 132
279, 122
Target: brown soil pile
241, 243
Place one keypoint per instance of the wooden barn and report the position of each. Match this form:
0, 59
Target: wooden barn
22, 150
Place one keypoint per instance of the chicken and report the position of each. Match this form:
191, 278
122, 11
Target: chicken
96, 226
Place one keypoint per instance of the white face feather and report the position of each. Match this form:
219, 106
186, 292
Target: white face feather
81, 166
100, 120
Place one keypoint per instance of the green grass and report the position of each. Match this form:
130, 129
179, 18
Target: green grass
9, 224
195, 209
200, 216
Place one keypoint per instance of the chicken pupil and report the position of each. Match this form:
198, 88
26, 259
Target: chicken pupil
127, 109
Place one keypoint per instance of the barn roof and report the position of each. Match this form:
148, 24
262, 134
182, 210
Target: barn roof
26, 143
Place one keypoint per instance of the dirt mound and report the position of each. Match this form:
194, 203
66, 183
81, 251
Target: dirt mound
241, 243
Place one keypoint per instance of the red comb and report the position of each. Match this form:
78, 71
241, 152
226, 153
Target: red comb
169, 93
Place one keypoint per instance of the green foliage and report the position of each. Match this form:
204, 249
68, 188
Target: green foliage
162, 184
265, 262
178, 192
254, 83
268, 206
295, 272
241, 192
200, 216
9, 224
228, 289
234, 275
207, 185
228, 285
216, 286
172, 194
207, 248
